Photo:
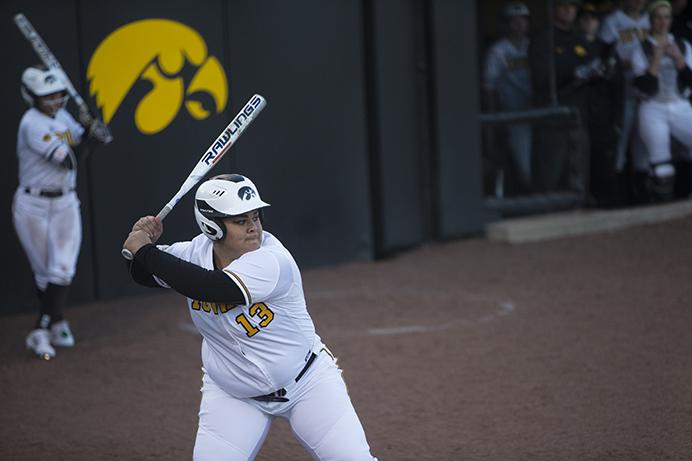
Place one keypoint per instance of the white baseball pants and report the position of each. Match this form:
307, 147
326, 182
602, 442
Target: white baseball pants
319, 412
50, 231
658, 121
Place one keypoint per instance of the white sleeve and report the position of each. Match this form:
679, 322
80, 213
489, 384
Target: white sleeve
76, 128
177, 249
493, 68
47, 144
687, 52
608, 33
260, 275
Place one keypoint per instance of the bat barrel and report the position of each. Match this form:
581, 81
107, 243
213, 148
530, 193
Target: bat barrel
214, 153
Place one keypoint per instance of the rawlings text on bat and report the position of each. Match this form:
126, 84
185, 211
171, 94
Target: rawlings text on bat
213, 154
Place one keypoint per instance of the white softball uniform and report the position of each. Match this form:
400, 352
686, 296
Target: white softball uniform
507, 72
667, 112
626, 33
262, 346
45, 208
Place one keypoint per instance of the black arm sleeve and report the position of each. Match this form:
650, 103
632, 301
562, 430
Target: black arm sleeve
188, 279
140, 274
647, 84
68, 163
685, 77
607, 50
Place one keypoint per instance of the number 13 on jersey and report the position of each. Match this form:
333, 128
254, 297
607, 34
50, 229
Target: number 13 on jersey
259, 310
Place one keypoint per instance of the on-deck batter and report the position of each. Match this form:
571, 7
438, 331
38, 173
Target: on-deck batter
261, 355
45, 208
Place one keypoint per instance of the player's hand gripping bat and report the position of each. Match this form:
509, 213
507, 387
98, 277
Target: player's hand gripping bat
213, 154
52, 63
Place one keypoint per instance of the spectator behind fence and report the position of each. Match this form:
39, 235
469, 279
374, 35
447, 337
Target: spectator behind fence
560, 157
622, 31
663, 73
507, 87
602, 106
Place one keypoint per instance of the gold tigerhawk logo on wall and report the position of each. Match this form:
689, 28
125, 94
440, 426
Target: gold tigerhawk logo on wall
155, 50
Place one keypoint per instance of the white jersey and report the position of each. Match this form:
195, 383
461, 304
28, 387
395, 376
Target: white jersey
507, 72
261, 346
668, 89
43, 142
626, 32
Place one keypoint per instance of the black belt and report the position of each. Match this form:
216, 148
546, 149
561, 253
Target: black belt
46, 193
280, 395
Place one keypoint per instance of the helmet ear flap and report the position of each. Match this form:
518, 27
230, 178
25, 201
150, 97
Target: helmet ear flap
211, 227
26, 95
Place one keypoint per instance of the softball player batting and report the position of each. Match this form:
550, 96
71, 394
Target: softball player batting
45, 208
261, 355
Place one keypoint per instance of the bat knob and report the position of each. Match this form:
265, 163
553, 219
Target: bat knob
127, 254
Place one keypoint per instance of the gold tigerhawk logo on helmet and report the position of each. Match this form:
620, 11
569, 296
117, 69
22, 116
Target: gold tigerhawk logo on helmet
155, 50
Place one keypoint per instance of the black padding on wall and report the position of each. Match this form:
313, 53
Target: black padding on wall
399, 123
457, 129
309, 157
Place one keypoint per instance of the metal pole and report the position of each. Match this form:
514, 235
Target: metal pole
551, 50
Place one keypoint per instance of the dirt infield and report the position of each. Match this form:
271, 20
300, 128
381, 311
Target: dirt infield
573, 349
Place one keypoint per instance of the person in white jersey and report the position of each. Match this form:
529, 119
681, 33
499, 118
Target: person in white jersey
45, 208
622, 31
261, 355
663, 73
507, 86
